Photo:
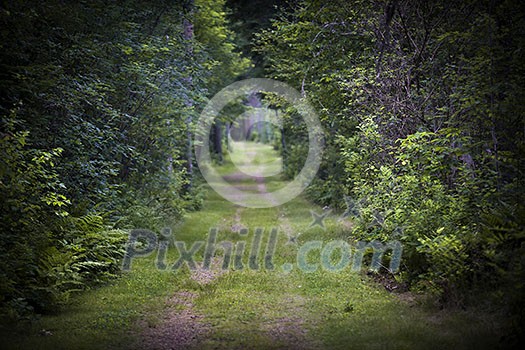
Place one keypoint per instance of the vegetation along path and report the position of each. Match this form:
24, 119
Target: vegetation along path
405, 120
238, 308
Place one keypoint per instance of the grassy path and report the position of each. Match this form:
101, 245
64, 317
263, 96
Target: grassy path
253, 308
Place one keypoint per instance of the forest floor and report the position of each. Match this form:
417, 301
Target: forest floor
256, 308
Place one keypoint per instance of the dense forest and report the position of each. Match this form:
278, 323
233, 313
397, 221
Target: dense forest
97, 105
421, 103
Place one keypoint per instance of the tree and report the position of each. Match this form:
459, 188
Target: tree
97, 101
419, 100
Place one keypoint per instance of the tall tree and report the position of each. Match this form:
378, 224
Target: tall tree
421, 98
188, 37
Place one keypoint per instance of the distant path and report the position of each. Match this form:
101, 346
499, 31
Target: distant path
248, 308
183, 327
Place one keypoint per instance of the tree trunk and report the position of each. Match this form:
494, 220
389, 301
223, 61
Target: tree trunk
217, 139
188, 37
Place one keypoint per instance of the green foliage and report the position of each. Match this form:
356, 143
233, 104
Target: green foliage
212, 30
88, 255
419, 103
97, 101
412, 199
31, 207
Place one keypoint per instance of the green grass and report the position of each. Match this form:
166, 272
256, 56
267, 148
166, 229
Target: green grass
250, 158
101, 316
247, 308
253, 156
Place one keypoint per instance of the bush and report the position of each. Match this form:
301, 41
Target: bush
88, 255
30, 210
46, 253
407, 196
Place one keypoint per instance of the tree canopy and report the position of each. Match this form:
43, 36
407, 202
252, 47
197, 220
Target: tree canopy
95, 117
421, 103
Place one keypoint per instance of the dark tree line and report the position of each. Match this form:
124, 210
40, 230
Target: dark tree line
421, 103
422, 106
97, 103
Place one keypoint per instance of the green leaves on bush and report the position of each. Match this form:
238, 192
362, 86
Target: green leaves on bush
103, 97
421, 109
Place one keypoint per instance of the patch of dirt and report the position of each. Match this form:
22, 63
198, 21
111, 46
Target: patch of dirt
180, 328
388, 282
261, 185
285, 226
409, 298
237, 226
346, 224
206, 276
235, 177
290, 330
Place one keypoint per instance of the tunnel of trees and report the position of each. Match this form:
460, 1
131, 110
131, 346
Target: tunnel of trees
421, 103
